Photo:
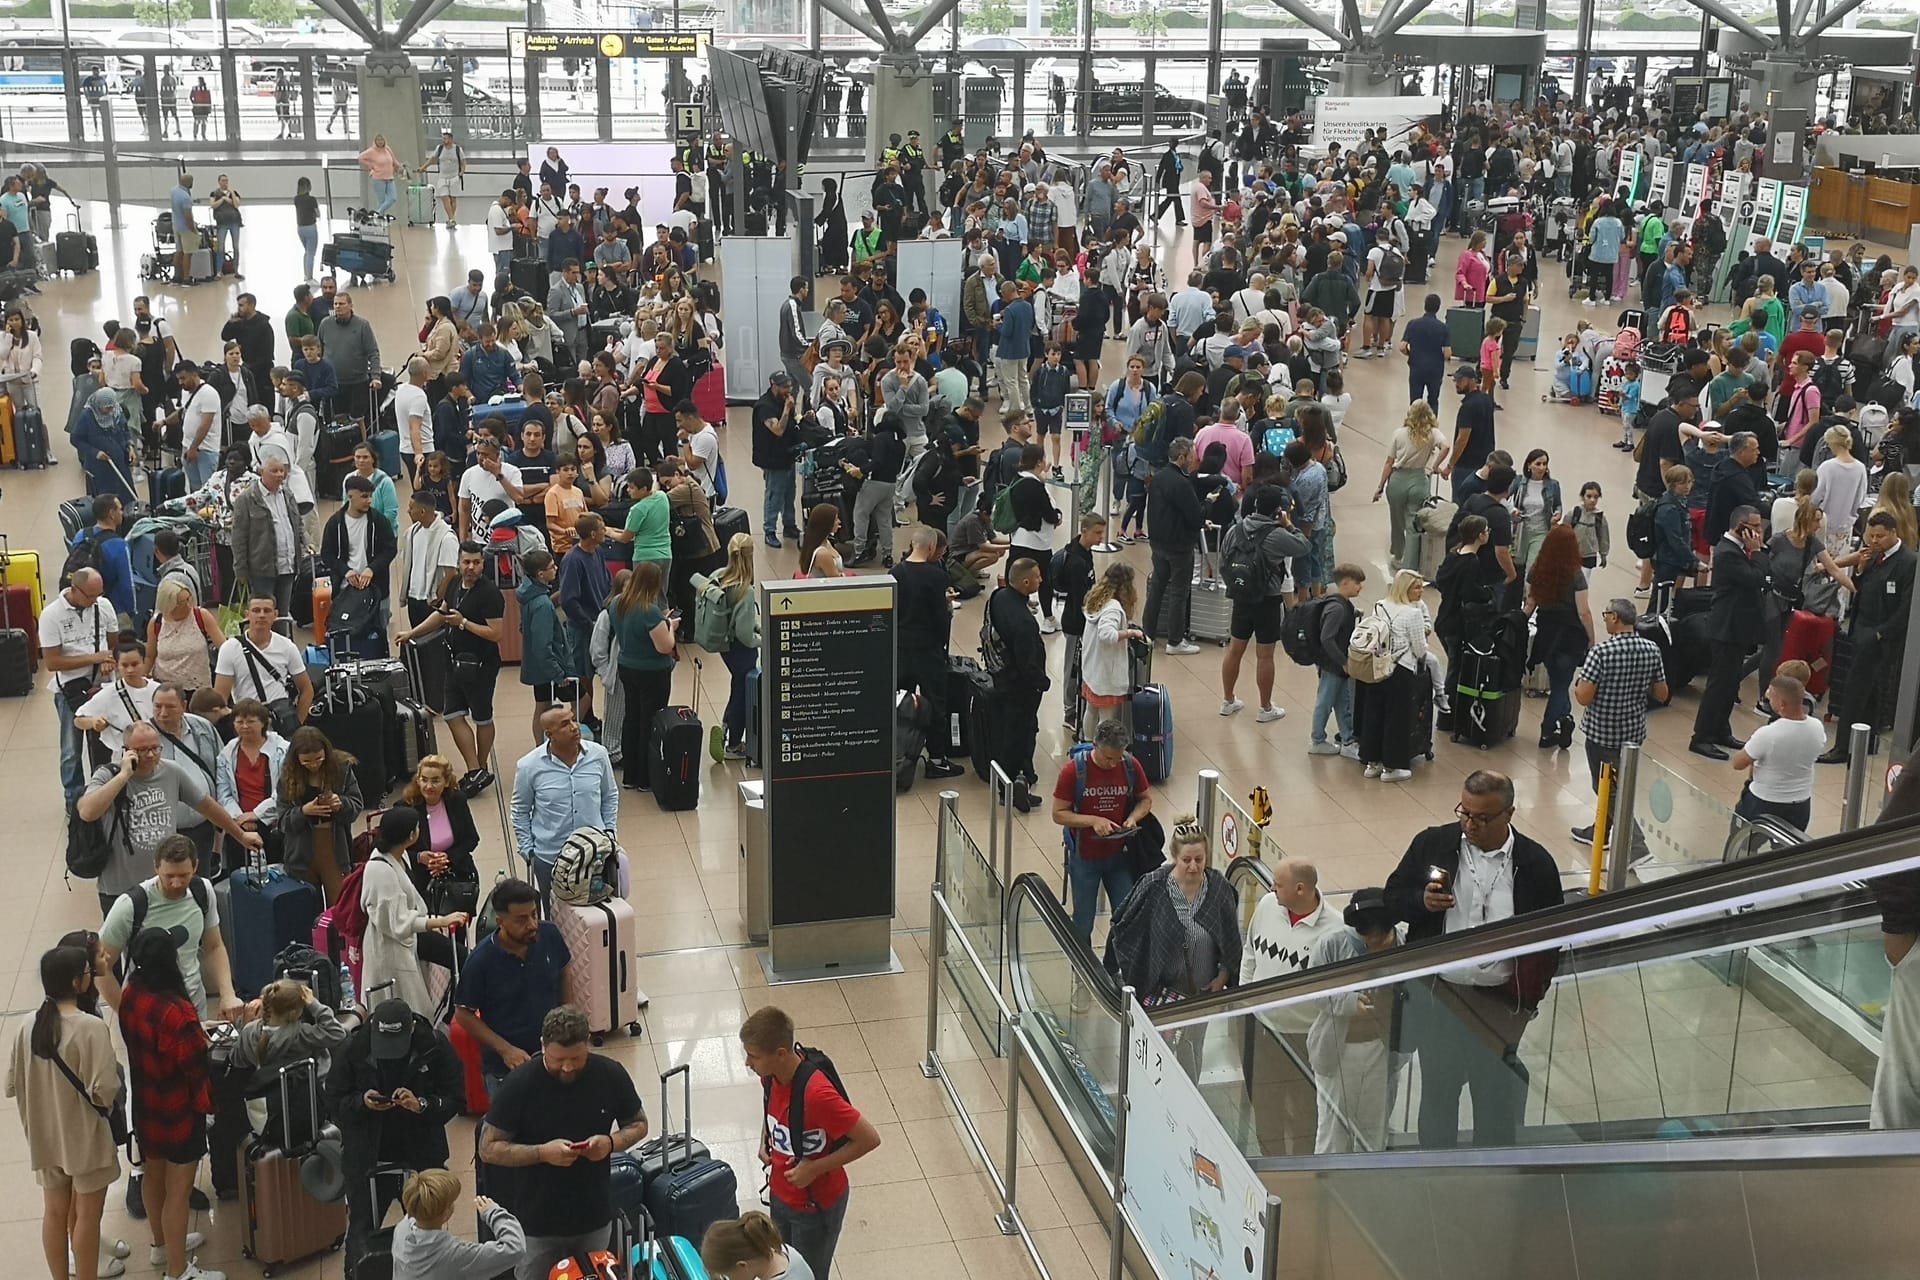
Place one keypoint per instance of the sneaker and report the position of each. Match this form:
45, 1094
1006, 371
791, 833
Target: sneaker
1232, 706
157, 1254
1269, 714
1588, 302
1048, 626
1023, 798
1371, 771
734, 751
482, 779
773, 542
1396, 775
108, 1267
943, 769
1185, 649
1350, 751
1583, 834
1323, 748
195, 1271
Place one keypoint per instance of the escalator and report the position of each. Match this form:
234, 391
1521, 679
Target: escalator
1696, 1081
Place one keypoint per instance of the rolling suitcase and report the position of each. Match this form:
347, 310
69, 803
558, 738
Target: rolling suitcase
30, 437
673, 762
165, 484
530, 276
467, 1049
413, 739
1487, 686
674, 1258
386, 448
1153, 731
1466, 326
16, 648
979, 734
653, 1156
267, 909
74, 251
420, 207
599, 979
1210, 610
75, 515
510, 638
1427, 540
306, 596
728, 521
337, 947
427, 660
1421, 726
355, 721
1809, 639
283, 1222
960, 703
689, 1193
710, 395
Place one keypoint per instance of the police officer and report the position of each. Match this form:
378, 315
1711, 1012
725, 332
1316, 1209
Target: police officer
913, 165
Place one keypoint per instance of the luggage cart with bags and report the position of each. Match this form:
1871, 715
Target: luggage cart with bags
364, 251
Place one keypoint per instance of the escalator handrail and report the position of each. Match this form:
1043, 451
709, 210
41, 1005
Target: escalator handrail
1030, 887
1251, 868
1828, 862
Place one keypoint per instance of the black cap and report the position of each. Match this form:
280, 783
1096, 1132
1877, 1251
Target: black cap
1467, 371
391, 1024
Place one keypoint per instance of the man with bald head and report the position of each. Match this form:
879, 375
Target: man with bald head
1280, 940
78, 633
561, 785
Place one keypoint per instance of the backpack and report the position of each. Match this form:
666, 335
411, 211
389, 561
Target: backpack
91, 845
712, 617
1300, 631
1829, 380
138, 897
84, 554
1274, 441
1370, 652
587, 868
1393, 266
1336, 471
1243, 570
299, 958
1149, 424
349, 915
79, 351
1640, 529
812, 1061
1004, 519
993, 646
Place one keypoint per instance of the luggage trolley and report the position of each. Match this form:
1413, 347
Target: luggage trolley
158, 264
364, 251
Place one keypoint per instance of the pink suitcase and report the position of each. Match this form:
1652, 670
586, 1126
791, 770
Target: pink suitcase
330, 944
602, 939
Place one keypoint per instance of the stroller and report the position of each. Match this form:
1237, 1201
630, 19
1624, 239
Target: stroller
1558, 235
826, 481
158, 264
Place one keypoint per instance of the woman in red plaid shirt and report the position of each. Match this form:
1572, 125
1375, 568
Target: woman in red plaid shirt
167, 1054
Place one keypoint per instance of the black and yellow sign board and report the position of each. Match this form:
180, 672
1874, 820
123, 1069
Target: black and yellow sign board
685, 43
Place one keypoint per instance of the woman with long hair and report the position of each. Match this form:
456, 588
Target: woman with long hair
591, 472
645, 630
1840, 486
1557, 602
1470, 275
306, 218
70, 1144
663, 382
743, 648
21, 360
1793, 555
1537, 505
751, 1248
1383, 712
1414, 456
172, 1094
617, 452
319, 801
442, 352
443, 847
1106, 670
401, 931
818, 559
1896, 498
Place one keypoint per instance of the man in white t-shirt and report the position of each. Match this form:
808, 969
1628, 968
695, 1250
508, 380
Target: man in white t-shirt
261, 663
1782, 756
121, 703
199, 420
500, 232
413, 417
1383, 299
78, 632
433, 557
699, 447
486, 479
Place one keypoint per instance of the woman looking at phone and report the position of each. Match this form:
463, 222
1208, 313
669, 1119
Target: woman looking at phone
400, 931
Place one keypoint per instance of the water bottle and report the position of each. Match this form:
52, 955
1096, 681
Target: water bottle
346, 986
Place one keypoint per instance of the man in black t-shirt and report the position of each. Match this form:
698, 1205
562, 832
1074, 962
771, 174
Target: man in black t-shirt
1490, 504
1507, 300
924, 624
1073, 576
471, 614
557, 1120
1663, 446
1472, 428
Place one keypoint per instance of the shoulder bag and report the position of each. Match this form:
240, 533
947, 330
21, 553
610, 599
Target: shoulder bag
115, 1114
285, 718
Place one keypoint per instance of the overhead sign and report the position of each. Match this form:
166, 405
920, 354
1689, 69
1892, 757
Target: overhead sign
1347, 120
828, 701
540, 42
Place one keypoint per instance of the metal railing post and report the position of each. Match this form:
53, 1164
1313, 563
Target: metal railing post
999, 790
937, 932
1007, 1221
1620, 845
1859, 740
1005, 816
1206, 804
1117, 1229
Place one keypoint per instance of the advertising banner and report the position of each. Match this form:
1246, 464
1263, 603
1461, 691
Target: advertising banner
1346, 120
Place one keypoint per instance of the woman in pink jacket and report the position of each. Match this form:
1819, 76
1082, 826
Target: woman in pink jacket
1470, 277
1205, 206
383, 168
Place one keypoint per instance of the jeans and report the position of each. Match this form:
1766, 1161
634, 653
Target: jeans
740, 661
309, 250
1086, 876
1442, 206
226, 237
502, 261
777, 511
814, 1236
1560, 671
73, 774
1169, 596
1797, 812
1334, 694
544, 1251
199, 469
386, 194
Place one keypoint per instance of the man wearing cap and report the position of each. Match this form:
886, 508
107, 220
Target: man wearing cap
913, 162
557, 1119
449, 164
1472, 430
357, 547
1618, 680
1232, 364
199, 423
1807, 337
393, 1087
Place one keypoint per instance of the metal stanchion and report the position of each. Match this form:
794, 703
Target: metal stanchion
1626, 788
999, 792
1205, 805
1859, 740
937, 932
1006, 1220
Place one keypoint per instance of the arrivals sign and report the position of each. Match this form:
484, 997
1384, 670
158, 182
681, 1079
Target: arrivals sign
601, 43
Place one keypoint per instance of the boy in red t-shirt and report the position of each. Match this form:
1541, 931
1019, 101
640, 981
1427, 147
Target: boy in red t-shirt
808, 1176
1100, 799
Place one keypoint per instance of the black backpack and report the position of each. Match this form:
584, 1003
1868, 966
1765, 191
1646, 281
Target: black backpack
1829, 380
1640, 529
1243, 570
138, 896
84, 554
79, 351
811, 1061
1300, 631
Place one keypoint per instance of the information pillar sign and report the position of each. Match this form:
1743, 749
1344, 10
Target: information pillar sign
827, 707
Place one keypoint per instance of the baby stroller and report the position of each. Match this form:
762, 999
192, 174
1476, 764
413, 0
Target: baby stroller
826, 481
1558, 235
158, 264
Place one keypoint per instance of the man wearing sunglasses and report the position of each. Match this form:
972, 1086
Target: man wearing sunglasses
1467, 1022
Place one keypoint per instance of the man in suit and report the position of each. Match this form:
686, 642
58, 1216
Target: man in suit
1883, 595
1467, 1022
1766, 264
1734, 485
1733, 627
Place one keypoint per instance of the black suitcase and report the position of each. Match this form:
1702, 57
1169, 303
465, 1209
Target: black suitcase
1487, 694
1422, 724
30, 438
165, 484
980, 724
960, 672
427, 659
690, 1192
303, 594
16, 650
728, 521
355, 721
75, 251
412, 739
673, 760
530, 276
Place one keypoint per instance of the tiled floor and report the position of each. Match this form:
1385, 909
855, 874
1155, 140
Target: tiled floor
920, 1203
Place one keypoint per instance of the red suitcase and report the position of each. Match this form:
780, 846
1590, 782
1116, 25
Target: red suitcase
1809, 639
467, 1049
710, 396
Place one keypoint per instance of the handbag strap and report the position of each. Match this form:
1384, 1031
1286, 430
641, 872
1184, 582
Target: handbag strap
254, 658
106, 1113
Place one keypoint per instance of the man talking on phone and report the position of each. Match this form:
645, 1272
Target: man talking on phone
556, 1120
1467, 1022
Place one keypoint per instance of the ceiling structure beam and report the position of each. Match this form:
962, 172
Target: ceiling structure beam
1305, 14
858, 23
1720, 13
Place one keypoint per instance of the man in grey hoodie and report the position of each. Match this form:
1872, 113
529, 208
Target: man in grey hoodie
354, 352
423, 1249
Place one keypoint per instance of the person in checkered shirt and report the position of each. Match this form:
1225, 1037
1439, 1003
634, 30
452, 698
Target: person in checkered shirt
1619, 676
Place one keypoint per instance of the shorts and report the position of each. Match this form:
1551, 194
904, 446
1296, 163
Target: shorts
470, 693
1203, 232
188, 1151
1380, 303
79, 1183
555, 691
1257, 620
1047, 423
446, 184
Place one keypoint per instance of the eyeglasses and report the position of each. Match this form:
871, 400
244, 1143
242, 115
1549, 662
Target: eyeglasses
1461, 812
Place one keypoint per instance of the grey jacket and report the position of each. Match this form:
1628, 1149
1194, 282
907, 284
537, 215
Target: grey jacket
420, 1254
352, 348
907, 401
267, 1048
254, 549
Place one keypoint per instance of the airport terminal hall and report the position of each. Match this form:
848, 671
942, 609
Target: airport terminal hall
972, 639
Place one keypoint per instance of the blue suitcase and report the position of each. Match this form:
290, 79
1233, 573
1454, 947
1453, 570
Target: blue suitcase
511, 412
1153, 731
689, 1192
675, 1258
1580, 383
165, 485
266, 910
386, 448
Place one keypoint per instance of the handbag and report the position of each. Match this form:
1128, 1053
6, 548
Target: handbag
447, 895
115, 1114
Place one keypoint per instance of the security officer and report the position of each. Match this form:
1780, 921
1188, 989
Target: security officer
913, 164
